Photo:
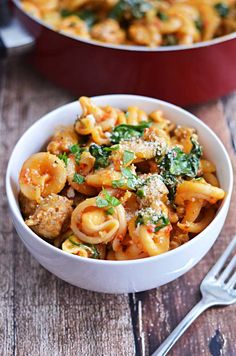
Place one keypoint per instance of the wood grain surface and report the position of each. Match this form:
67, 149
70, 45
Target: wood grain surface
42, 315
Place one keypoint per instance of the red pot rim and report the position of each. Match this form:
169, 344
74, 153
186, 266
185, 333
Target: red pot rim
133, 48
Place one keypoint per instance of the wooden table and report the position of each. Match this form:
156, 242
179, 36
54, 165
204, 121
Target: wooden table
42, 315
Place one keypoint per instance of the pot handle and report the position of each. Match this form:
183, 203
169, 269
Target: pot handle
14, 39
3, 49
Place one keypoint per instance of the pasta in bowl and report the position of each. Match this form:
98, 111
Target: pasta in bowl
130, 188
151, 188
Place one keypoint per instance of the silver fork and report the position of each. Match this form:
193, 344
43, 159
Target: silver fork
215, 289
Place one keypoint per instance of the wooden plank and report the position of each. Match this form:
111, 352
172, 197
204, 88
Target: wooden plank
54, 318
6, 243
157, 312
229, 104
43, 315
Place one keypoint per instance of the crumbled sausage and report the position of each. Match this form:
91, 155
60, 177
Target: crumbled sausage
27, 206
109, 31
62, 141
51, 217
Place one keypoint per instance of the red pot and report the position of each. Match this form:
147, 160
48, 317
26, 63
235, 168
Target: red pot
181, 75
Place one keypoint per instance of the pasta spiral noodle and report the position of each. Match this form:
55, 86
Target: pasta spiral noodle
93, 115
91, 224
191, 190
41, 175
32, 9
154, 244
178, 238
108, 31
75, 246
96, 121
85, 165
192, 210
102, 177
131, 252
75, 26
206, 166
99, 136
148, 241
62, 141
211, 179
197, 227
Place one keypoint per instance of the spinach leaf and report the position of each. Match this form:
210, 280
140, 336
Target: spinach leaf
66, 13
110, 199
130, 8
89, 247
128, 156
127, 173
86, 15
162, 222
101, 155
129, 180
107, 201
127, 132
78, 178
196, 149
170, 40
110, 211
63, 157
162, 16
171, 183
199, 24
101, 203
119, 183
140, 192
177, 163
76, 150
222, 9
149, 216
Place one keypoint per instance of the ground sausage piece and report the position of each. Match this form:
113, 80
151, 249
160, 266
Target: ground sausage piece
109, 31
62, 141
27, 206
51, 217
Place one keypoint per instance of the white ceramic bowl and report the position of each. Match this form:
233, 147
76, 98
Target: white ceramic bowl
118, 276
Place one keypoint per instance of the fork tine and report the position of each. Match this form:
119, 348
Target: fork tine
227, 270
232, 281
220, 263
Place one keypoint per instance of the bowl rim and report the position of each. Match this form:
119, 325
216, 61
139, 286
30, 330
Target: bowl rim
132, 48
18, 217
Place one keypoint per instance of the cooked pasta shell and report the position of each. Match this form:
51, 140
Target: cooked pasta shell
92, 225
41, 175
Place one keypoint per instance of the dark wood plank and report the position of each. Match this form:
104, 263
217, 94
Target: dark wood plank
229, 103
157, 312
54, 318
6, 243
41, 314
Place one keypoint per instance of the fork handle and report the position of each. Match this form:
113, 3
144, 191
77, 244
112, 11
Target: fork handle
183, 325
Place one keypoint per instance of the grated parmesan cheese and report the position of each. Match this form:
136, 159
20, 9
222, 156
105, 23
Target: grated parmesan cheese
107, 134
153, 189
70, 193
144, 148
91, 118
149, 215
